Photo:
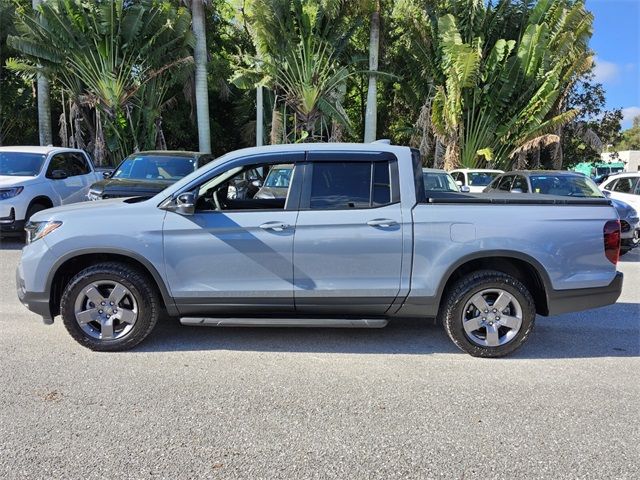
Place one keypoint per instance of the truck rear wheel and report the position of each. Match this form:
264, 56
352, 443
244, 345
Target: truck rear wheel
110, 307
488, 313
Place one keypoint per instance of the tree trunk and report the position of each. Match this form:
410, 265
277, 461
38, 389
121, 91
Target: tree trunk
260, 117
201, 87
371, 115
451, 156
44, 104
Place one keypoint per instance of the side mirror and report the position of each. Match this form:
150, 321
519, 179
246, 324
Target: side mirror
107, 174
185, 203
464, 188
516, 190
59, 175
459, 183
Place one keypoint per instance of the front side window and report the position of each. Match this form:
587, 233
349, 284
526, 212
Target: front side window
58, 162
76, 164
348, 185
439, 182
521, 184
481, 179
241, 188
19, 164
505, 183
625, 185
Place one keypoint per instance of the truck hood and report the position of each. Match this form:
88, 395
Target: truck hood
7, 181
90, 209
126, 187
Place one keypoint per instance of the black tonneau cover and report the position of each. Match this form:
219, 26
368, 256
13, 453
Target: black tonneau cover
512, 199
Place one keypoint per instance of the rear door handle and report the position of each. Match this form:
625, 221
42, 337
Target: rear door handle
382, 222
275, 226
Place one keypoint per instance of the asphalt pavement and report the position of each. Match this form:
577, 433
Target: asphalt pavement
252, 403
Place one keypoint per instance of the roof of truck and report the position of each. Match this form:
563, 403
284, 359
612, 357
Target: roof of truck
38, 150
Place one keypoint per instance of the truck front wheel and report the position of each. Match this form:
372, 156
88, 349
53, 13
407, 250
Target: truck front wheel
110, 307
488, 313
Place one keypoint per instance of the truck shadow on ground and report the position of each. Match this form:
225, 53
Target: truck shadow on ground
612, 331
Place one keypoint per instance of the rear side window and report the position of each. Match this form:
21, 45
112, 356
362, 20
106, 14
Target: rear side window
346, 185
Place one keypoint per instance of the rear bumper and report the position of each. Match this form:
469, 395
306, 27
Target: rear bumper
575, 300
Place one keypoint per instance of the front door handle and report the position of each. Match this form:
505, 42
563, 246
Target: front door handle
382, 222
275, 226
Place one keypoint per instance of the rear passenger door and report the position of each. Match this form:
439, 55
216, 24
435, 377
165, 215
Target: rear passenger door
348, 241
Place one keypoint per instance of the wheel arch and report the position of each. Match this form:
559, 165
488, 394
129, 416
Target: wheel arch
69, 265
519, 265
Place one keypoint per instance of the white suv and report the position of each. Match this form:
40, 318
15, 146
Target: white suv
624, 187
36, 178
474, 178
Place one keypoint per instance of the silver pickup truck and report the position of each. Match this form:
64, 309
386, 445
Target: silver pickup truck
355, 242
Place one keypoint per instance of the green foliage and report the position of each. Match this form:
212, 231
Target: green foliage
116, 57
631, 137
300, 55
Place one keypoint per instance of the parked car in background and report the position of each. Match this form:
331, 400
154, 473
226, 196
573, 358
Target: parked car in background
144, 174
549, 182
36, 178
629, 225
355, 243
623, 186
436, 180
572, 184
476, 179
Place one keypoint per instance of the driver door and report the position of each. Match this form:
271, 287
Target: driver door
234, 255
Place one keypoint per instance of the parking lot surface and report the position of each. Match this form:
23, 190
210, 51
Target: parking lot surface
399, 402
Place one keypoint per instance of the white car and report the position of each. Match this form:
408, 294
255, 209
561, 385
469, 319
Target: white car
37, 178
474, 178
624, 187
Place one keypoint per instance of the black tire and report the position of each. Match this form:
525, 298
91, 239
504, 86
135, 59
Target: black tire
140, 286
452, 311
33, 209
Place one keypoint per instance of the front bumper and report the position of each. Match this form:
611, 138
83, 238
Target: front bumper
37, 302
9, 224
575, 300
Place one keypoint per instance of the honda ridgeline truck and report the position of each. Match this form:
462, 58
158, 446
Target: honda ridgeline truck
355, 242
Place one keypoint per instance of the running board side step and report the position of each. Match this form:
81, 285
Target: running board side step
285, 322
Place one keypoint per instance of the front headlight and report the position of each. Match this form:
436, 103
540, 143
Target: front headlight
37, 230
10, 192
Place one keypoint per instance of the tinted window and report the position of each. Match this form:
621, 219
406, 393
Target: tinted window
344, 185
505, 183
481, 179
341, 185
565, 185
76, 164
625, 185
58, 162
521, 183
20, 164
438, 182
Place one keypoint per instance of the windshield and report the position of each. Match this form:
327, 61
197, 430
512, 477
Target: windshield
565, 185
278, 177
18, 164
438, 182
156, 167
481, 179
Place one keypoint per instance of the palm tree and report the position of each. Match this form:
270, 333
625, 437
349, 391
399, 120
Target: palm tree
44, 101
371, 114
114, 60
201, 83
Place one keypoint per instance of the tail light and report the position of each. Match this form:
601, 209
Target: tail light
611, 233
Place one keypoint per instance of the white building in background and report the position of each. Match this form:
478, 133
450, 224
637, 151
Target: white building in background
630, 158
